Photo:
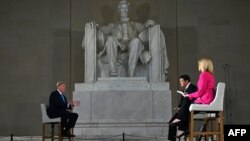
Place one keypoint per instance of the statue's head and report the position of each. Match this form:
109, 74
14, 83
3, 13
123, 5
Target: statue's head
122, 7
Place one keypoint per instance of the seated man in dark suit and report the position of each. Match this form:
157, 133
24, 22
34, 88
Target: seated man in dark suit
181, 117
58, 106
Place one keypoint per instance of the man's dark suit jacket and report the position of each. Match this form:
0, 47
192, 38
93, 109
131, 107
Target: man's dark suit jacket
57, 106
182, 114
191, 89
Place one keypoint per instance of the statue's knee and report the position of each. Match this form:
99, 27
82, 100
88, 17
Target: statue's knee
136, 41
135, 44
110, 39
110, 43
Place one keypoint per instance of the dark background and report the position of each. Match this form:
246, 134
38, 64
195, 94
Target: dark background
40, 44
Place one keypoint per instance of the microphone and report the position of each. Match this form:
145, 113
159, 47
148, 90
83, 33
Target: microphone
226, 65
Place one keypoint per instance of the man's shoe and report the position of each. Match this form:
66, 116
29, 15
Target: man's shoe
66, 134
181, 134
113, 73
72, 135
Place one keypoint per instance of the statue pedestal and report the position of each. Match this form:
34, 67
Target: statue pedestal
130, 105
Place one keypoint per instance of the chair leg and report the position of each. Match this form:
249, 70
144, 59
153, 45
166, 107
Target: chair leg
59, 132
185, 138
217, 127
204, 128
43, 134
71, 131
211, 127
221, 120
52, 132
191, 126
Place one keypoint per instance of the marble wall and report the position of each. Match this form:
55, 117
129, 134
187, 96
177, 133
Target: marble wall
113, 106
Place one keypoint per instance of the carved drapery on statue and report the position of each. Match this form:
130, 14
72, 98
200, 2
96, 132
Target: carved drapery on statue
104, 53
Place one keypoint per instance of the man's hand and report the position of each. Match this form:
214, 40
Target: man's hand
74, 103
177, 108
71, 103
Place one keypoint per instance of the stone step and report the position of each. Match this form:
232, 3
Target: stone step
89, 138
122, 138
121, 84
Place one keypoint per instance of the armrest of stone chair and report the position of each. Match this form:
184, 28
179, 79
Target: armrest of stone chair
89, 43
155, 52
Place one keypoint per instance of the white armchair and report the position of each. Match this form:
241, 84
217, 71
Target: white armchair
212, 111
50, 121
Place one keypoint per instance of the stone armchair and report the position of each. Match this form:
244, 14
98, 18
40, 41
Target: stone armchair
153, 62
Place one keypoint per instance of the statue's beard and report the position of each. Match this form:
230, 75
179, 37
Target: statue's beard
124, 17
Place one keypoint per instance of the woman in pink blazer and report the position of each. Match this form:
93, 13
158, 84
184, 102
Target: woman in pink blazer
206, 83
205, 93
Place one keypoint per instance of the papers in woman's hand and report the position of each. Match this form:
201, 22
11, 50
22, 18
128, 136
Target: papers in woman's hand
180, 92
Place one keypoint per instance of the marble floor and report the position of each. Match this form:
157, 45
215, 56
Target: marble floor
93, 138
27, 138
38, 138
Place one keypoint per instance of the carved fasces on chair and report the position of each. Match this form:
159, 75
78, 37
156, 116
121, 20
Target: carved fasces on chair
89, 44
157, 48
153, 56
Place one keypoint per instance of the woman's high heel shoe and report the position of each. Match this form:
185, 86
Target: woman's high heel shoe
182, 134
175, 123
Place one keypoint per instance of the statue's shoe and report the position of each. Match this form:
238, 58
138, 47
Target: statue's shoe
113, 73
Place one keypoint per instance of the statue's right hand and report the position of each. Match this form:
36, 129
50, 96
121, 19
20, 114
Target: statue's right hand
91, 24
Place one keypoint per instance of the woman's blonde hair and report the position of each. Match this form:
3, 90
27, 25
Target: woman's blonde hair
205, 64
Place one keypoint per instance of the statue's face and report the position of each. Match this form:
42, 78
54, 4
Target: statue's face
123, 10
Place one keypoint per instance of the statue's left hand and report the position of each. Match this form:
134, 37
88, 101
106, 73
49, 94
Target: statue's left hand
91, 24
149, 23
